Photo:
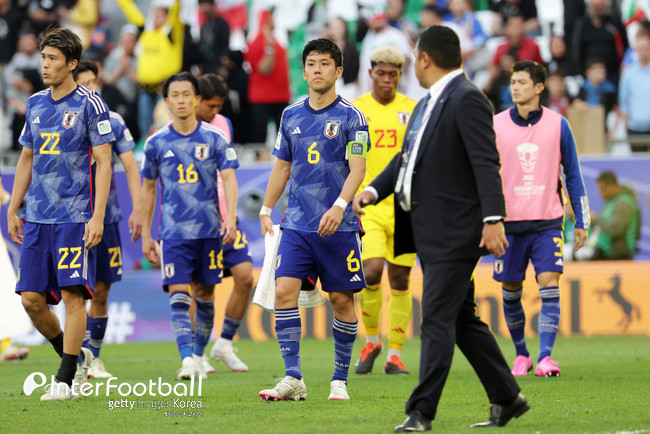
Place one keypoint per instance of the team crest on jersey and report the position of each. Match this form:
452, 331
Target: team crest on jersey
332, 129
69, 119
18, 276
498, 266
170, 270
201, 151
403, 117
278, 259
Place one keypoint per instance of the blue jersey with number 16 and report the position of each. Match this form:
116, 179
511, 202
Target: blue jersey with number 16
316, 143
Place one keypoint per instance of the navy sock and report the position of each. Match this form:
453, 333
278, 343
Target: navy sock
203, 322
181, 324
95, 331
345, 333
230, 327
549, 319
515, 319
289, 330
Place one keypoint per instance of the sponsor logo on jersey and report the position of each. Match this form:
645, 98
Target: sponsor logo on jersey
127, 135
361, 136
201, 151
403, 117
104, 127
332, 129
69, 119
231, 154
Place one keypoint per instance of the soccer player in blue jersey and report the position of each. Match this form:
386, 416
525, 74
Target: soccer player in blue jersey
185, 155
109, 251
534, 142
321, 147
237, 261
66, 125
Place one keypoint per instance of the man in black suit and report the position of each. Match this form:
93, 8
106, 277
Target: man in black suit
449, 208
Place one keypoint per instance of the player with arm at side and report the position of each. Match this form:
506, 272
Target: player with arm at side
66, 125
533, 143
237, 261
321, 147
109, 251
185, 155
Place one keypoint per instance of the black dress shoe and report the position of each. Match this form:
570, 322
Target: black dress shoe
414, 423
500, 415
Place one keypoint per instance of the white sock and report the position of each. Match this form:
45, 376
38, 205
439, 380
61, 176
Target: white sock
374, 339
393, 351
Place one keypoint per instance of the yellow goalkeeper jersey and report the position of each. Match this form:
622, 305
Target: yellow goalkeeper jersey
387, 125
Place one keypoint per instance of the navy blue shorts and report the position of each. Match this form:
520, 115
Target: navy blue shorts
235, 253
188, 261
53, 256
543, 249
109, 255
335, 259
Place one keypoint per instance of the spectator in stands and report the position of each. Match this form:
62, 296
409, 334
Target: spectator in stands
215, 37
159, 53
527, 9
461, 14
631, 55
43, 13
11, 21
599, 34
497, 88
619, 220
556, 97
23, 76
517, 43
268, 81
81, 17
597, 89
120, 78
380, 34
634, 92
395, 11
559, 60
236, 107
337, 31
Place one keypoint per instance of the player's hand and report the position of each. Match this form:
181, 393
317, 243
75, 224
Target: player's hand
135, 225
266, 223
93, 233
330, 221
15, 228
361, 200
494, 239
580, 238
228, 231
150, 250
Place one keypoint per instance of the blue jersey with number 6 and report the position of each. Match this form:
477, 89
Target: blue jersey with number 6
316, 143
187, 166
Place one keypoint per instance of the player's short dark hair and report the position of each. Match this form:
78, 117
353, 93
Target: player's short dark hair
211, 85
594, 61
65, 40
323, 46
514, 16
433, 9
181, 76
85, 65
536, 71
442, 45
608, 177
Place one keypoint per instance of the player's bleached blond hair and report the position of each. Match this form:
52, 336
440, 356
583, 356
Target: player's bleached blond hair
386, 55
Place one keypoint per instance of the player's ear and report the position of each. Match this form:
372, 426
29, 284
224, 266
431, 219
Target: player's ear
370, 72
304, 74
539, 88
72, 65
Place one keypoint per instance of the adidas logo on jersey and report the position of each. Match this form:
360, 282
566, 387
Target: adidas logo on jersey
169, 154
296, 131
559, 262
37, 120
74, 275
355, 278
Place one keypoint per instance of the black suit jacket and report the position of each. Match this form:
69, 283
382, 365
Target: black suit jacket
456, 181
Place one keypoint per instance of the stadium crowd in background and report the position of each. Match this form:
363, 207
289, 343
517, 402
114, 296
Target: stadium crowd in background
140, 44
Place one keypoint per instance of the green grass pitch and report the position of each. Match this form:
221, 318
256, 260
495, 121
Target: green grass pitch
604, 387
